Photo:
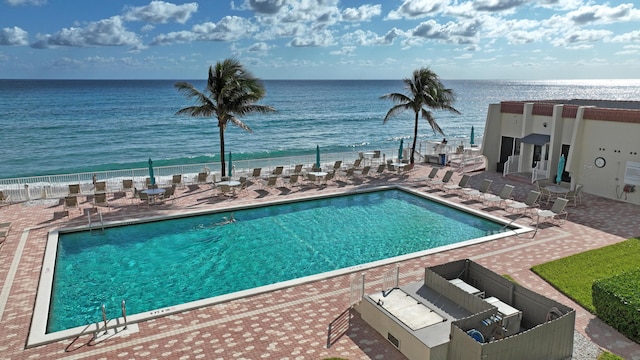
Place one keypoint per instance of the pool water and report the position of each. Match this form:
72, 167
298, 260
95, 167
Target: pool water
160, 264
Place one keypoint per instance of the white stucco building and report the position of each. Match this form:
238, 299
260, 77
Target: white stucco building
600, 140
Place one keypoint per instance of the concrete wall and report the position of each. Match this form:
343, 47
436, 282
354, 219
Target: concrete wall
609, 133
384, 324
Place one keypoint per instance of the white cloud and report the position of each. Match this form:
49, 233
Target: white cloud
13, 36
577, 38
603, 14
633, 36
230, 28
345, 51
498, 5
107, 32
463, 32
369, 38
362, 13
313, 39
161, 12
413, 9
26, 2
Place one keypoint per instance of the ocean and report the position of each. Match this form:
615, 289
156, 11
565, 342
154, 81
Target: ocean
68, 126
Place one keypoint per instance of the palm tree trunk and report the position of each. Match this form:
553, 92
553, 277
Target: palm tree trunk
415, 139
223, 164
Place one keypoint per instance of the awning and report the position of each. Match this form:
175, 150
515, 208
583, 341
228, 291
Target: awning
536, 139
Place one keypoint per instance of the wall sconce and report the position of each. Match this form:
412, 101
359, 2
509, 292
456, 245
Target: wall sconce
544, 124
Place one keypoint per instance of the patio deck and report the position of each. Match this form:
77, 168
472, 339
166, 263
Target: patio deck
293, 323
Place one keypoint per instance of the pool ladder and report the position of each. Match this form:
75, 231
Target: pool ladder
100, 218
123, 306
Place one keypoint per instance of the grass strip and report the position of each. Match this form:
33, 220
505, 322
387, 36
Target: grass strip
574, 275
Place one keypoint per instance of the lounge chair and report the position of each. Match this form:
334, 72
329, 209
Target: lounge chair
337, 165
349, 174
74, 190
202, 178
357, 162
278, 170
575, 195
271, 181
100, 199
293, 180
505, 194
127, 186
298, 169
381, 168
529, 203
100, 187
70, 202
255, 175
460, 185
441, 183
376, 156
176, 180
484, 189
433, 174
365, 171
556, 213
4, 198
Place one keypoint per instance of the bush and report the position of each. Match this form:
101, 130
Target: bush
617, 302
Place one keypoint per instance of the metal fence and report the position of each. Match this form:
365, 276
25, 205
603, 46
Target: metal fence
57, 186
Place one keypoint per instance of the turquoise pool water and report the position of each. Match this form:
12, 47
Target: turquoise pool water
160, 264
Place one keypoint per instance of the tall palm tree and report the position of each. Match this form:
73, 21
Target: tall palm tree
425, 91
230, 93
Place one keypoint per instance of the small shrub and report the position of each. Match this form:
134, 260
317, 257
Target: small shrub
617, 302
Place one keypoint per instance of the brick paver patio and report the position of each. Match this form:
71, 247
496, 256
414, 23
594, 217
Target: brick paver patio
292, 323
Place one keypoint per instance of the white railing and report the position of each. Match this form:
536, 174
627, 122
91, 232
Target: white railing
511, 165
540, 171
57, 186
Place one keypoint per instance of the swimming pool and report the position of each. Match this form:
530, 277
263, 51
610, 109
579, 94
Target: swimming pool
159, 265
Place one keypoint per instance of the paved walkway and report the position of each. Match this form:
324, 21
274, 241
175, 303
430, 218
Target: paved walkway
291, 323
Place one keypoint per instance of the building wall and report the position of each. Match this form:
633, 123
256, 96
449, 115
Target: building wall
613, 134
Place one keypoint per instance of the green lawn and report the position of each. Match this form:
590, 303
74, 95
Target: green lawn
574, 275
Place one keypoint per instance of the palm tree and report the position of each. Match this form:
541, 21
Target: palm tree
424, 91
230, 93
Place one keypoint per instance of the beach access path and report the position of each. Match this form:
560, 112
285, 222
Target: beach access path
292, 323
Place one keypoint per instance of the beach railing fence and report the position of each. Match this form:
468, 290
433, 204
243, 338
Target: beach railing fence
57, 186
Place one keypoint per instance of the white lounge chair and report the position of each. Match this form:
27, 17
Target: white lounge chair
445, 179
460, 185
484, 189
505, 194
529, 203
556, 213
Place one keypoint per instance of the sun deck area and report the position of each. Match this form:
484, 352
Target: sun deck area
294, 322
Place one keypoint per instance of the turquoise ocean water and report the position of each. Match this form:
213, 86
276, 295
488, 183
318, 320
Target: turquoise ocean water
64, 126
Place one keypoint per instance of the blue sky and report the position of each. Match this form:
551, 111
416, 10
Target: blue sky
320, 39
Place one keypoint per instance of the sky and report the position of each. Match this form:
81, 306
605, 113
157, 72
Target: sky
320, 39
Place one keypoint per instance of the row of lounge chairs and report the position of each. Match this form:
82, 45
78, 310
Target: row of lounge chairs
529, 206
